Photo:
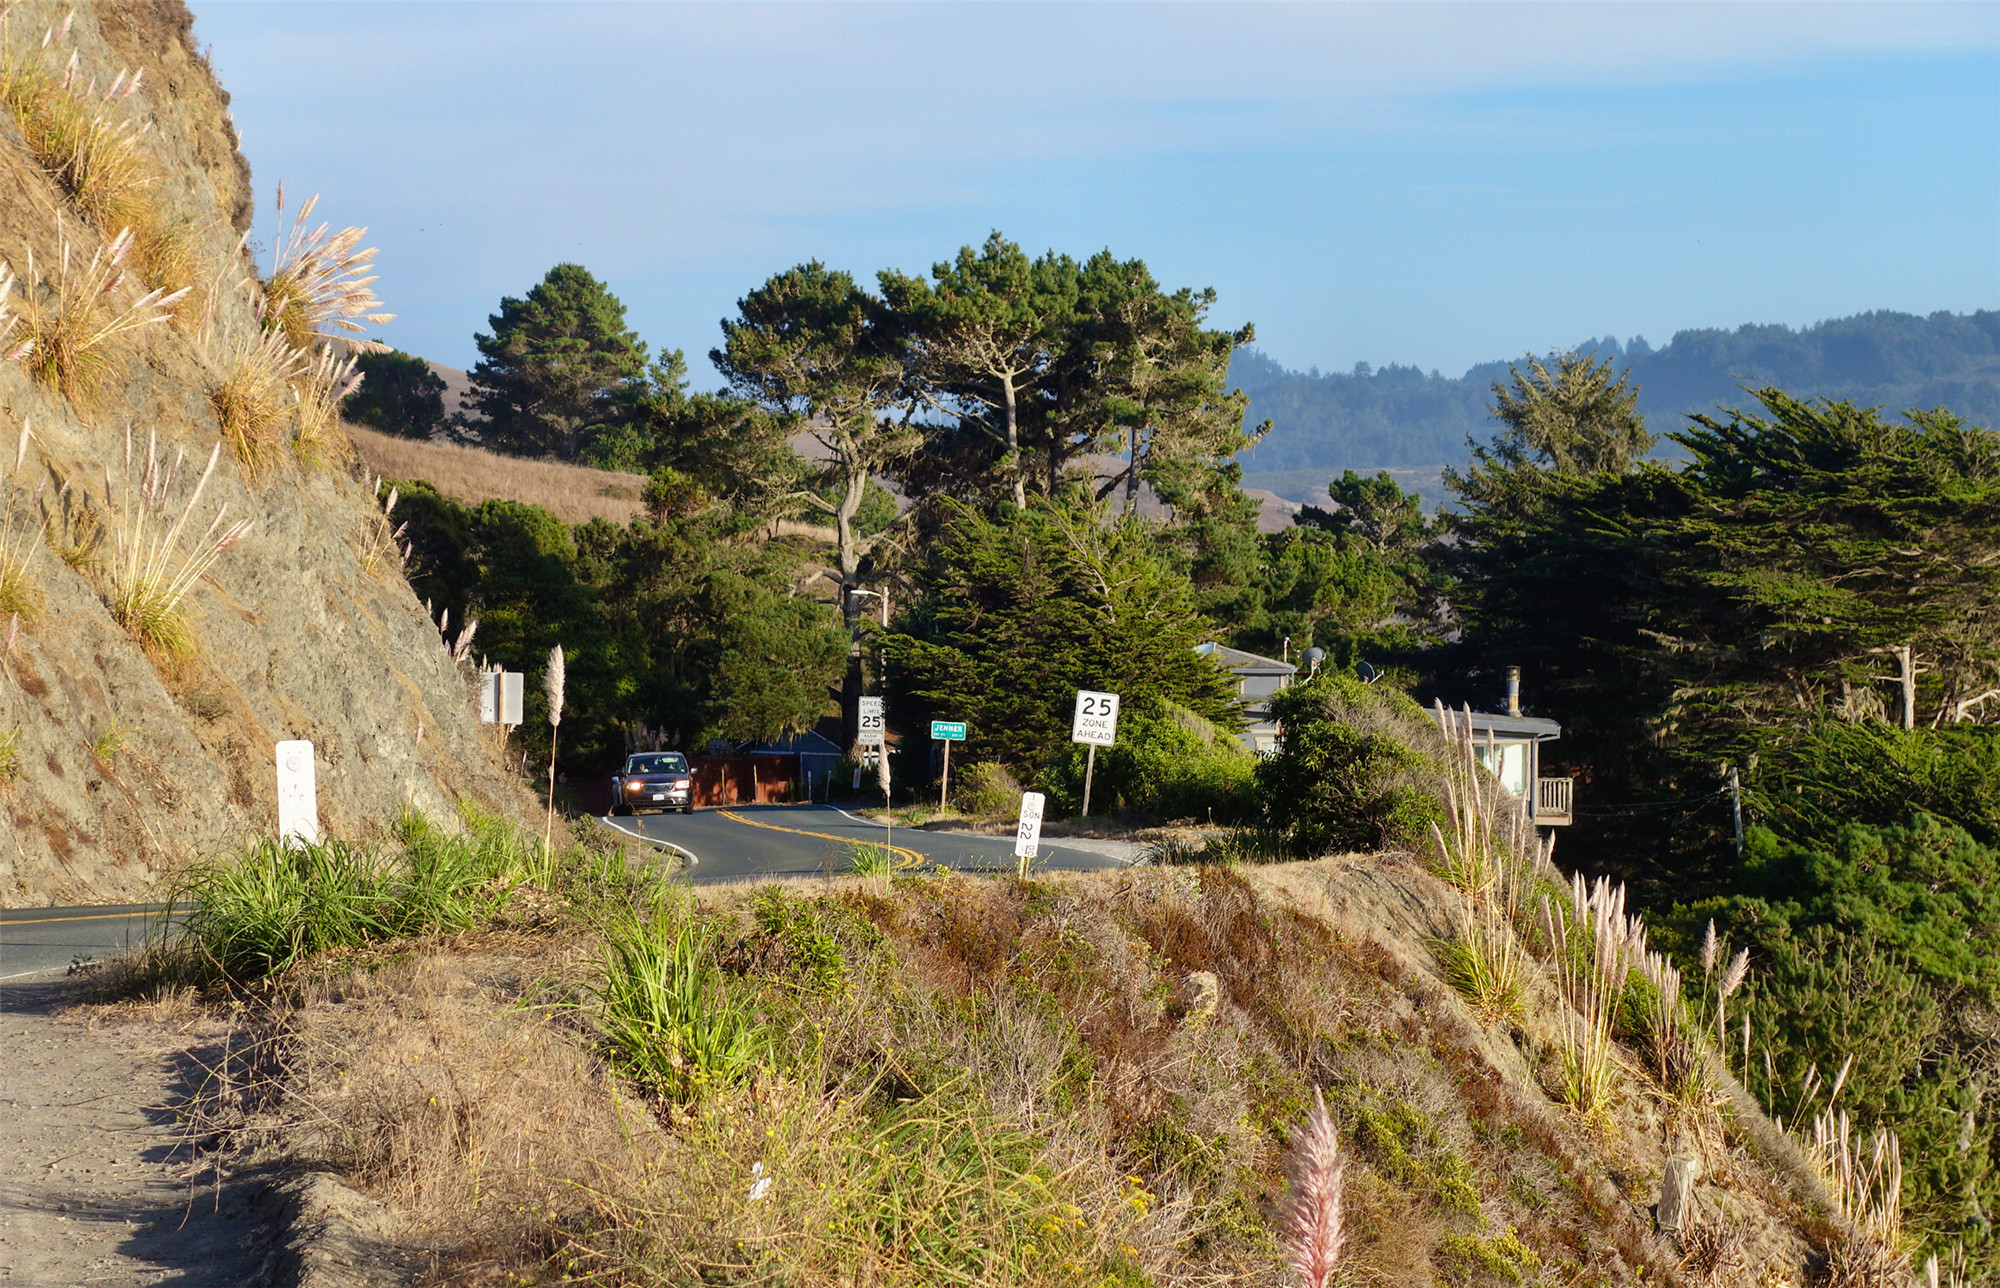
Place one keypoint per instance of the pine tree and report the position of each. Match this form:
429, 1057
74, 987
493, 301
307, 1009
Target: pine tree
559, 365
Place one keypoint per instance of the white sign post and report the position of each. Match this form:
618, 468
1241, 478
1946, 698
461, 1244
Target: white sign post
871, 729
500, 697
1028, 836
869, 725
1096, 725
298, 794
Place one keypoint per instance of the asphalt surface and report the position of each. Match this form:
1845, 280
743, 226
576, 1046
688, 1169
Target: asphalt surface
743, 841
40, 941
747, 841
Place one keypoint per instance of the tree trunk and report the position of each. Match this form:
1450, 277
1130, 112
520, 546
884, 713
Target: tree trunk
1132, 474
1014, 441
1906, 665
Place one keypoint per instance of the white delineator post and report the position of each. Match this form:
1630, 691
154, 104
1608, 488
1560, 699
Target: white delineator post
1094, 724
1028, 833
298, 794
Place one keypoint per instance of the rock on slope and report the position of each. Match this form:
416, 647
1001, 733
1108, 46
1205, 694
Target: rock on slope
125, 763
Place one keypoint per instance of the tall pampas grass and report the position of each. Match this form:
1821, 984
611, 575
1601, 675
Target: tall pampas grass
19, 596
320, 387
1312, 1224
71, 319
317, 282
553, 681
153, 574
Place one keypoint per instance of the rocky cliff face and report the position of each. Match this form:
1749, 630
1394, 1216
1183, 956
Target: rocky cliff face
118, 760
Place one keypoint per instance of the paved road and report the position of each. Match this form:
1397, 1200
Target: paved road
38, 941
802, 840
726, 844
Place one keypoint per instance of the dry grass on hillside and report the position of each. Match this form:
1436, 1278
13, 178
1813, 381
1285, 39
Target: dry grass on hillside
573, 493
1083, 1080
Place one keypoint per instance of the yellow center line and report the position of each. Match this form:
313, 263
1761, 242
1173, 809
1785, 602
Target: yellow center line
95, 916
906, 858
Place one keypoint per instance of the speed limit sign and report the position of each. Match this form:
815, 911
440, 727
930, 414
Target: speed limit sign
1096, 719
869, 728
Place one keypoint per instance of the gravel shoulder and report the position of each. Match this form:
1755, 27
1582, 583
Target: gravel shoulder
97, 1184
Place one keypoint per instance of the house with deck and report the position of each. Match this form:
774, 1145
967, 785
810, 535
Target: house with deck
1509, 745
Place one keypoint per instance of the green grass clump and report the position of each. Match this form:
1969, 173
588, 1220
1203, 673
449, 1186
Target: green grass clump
10, 755
275, 905
866, 859
665, 1009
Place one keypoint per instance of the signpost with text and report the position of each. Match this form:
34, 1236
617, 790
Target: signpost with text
1095, 725
946, 732
1028, 835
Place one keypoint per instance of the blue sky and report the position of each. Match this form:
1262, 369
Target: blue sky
1437, 184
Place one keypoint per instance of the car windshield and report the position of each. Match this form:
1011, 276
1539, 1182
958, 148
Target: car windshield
671, 762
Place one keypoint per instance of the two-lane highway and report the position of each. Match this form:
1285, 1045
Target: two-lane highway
750, 841
42, 941
744, 842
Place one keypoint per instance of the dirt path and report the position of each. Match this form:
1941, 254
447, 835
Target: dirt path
92, 1188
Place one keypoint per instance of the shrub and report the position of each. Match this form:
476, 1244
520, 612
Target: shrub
665, 1009
398, 394
1359, 767
987, 790
1168, 763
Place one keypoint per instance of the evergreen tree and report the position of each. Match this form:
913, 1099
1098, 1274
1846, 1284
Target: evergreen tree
399, 394
1016, 613
559, 368
811, 346
984, 333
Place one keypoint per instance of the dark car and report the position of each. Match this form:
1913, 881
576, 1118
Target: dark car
653, 780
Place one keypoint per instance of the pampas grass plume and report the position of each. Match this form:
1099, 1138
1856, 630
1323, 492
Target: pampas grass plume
555, 685
1311, 1223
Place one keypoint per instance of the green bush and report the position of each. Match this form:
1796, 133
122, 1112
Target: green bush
987, 790
1883, 946
1358, 768
1168, 763
398, 394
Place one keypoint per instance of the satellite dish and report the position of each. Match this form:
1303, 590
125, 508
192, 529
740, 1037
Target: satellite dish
1365, 671
1312, 657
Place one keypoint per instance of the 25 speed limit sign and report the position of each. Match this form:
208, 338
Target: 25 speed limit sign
1096, 719
869, 726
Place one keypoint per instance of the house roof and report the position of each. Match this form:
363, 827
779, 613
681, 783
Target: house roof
1235, 659
1485, 722
810, 743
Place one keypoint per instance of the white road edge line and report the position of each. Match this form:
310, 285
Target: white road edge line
694, 860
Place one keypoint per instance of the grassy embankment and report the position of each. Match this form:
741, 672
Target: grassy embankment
581, 1073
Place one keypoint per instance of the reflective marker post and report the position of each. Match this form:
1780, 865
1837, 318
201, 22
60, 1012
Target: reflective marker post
298, 794
1028, 833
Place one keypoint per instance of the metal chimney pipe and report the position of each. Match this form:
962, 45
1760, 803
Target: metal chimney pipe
1513, 690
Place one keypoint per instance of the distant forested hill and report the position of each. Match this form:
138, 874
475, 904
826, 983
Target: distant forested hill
1399, 416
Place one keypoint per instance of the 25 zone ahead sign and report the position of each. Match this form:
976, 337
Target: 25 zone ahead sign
1096, 720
